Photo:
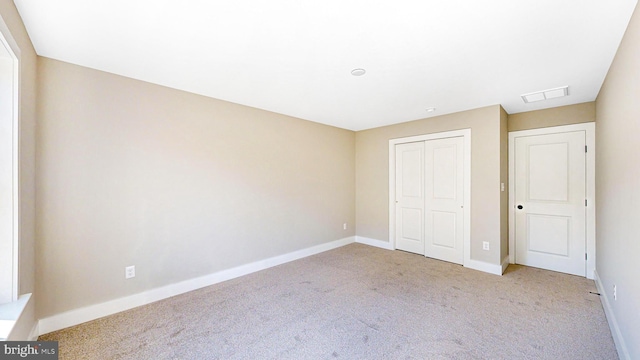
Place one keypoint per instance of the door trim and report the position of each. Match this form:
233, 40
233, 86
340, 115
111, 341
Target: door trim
589, 129
466, 135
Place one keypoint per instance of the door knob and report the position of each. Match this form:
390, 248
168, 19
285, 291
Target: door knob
519, 207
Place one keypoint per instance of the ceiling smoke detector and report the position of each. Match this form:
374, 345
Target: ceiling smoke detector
545, 94
358, 72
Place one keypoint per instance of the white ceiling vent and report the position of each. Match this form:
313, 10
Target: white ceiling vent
545, 94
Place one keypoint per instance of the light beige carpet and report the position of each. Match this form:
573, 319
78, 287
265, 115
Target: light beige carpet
360, 302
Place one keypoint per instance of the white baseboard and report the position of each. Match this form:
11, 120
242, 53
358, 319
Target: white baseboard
484, 266
374, 242
505, 264
92, 312
472, 264
621, 346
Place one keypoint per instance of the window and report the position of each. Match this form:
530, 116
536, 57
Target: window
8, 169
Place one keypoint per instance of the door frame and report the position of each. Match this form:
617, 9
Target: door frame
466, 135
590, 231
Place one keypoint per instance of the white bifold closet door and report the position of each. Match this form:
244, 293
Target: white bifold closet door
430, 198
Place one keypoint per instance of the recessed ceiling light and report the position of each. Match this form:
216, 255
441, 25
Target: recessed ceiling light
545, 94
431, 109
358, 72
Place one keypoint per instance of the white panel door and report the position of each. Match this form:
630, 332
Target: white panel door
444, 199
410, 197
550, 193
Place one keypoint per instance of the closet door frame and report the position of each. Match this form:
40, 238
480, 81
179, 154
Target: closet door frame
466, 135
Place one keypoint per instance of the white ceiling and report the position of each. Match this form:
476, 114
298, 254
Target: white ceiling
295, 57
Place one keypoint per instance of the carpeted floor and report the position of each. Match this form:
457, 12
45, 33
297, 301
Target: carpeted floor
360, 302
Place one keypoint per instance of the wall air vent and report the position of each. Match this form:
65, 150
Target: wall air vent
545, 94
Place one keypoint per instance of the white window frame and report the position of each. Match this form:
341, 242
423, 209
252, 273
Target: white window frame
10, 262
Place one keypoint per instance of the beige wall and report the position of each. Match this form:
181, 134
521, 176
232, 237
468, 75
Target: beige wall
27, 88
179, 185
563, 115
372, 175
504, 179
618, 186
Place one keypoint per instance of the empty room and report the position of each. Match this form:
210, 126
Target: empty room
320, 180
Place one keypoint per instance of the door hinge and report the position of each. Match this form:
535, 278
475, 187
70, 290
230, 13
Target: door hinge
585, 148
585, 256
585, 202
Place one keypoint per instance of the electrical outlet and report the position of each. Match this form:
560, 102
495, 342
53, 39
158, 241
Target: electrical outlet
485, 245
615, 293
129, 272
344, 226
